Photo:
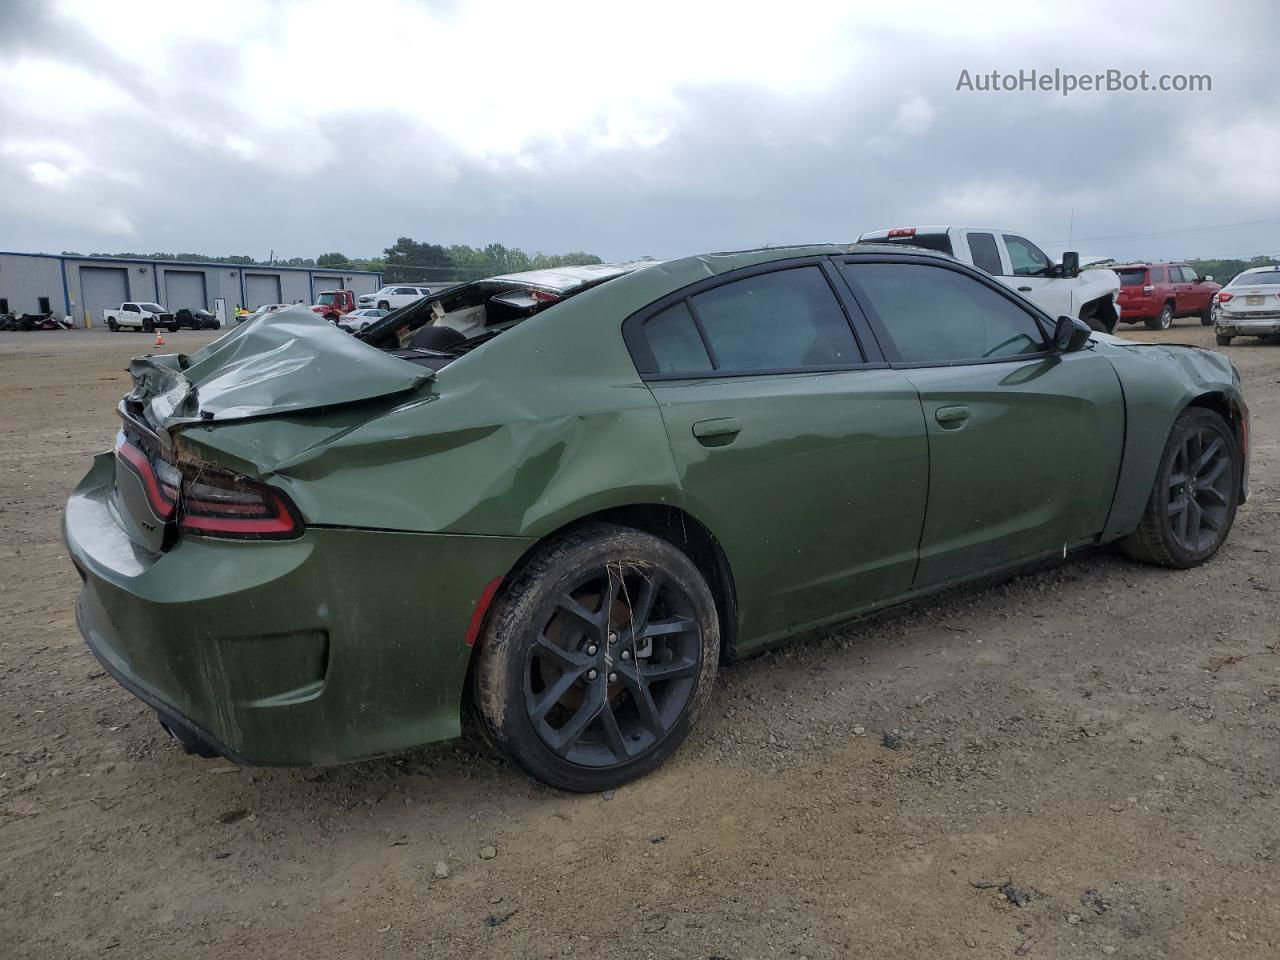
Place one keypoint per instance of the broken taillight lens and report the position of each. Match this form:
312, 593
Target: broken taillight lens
216, 504
209, 502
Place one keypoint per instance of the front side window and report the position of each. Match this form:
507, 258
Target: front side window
1026, 258
784, 320
936, 315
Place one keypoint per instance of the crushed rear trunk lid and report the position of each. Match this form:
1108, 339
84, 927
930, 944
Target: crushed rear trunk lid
279, 363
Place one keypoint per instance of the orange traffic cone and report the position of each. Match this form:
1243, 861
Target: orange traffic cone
159, 339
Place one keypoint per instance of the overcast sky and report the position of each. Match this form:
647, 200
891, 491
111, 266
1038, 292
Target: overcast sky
655, 128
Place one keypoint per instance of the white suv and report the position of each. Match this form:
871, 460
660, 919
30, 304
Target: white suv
393, 297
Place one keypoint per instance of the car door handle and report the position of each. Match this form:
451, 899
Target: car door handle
717, 429
951, 417
1024, 289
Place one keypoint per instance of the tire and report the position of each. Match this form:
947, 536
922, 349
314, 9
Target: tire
1188, 536
556, 683
1164, 321
148, 326
384, 305
1206, 316
1223, 340
173, 328
113, 326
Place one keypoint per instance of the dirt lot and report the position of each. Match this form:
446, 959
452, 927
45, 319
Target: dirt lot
1103, 736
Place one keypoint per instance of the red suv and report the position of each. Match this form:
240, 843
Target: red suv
1157, 292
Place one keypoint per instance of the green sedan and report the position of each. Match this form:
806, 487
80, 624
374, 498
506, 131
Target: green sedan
557, 501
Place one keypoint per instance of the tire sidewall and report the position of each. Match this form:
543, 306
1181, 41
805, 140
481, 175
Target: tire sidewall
529, 601
1165, 320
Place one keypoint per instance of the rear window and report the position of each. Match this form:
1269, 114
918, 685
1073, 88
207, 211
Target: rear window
1132, 278
930, 241
1254, 279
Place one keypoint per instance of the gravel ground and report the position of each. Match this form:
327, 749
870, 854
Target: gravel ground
1075, 763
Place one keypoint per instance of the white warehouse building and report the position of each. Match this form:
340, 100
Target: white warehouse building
81, 287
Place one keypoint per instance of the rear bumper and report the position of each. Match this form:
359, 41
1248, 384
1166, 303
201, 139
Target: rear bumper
340, 645
1134, 310
1245, 326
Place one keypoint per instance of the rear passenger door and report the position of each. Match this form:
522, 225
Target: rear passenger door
798, 446
1024, 443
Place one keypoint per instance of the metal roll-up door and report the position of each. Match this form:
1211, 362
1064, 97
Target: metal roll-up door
185, 288
260, 288
102, 288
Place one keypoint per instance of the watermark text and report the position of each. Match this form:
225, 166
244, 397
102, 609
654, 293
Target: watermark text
1066, 83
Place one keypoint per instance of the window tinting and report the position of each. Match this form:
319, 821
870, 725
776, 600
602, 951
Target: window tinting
1025, 257
1159, 275
1254, 279
936, 315
1135, 277
674, 342
776, 321
982, 248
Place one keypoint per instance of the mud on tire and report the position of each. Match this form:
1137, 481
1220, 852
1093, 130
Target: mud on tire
597, 658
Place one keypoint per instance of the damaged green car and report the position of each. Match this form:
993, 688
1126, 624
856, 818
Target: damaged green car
558, 500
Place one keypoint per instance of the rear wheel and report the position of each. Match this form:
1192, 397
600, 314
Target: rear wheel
1197, 490
384, 305
1224, 340
598, 658
112, 325
1206, 316
1164, 321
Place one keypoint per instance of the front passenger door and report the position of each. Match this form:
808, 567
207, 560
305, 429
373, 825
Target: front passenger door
1024, 443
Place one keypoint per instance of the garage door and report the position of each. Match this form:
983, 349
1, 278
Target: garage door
184, 288
325, 283
102, 288
260, 288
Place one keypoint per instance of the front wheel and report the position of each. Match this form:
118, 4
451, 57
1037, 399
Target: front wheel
597, 658
1223, 340
1206, 316
1197, 490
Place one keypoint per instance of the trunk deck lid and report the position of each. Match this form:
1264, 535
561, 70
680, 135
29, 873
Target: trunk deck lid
279, 363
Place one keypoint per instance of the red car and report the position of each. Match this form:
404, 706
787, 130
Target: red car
1157, 292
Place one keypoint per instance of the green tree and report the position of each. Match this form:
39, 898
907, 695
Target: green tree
332, 260
407, 261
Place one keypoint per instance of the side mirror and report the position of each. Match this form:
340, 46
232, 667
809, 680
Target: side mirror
1207, 278
1070, 264
1070, 334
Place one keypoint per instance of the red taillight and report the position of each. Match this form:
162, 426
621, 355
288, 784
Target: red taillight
902, 232
161, 487
216, 504
543, 297
209, 502
1223, 297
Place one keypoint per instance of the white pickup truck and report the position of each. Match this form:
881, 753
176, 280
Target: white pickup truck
140, 315
1059, 289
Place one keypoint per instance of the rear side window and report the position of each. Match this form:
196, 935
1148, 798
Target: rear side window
776, 321
985, 255
1132, 278
674, 341
1159, 275
936, 315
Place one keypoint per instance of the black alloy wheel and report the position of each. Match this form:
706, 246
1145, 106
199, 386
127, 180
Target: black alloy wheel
597, 658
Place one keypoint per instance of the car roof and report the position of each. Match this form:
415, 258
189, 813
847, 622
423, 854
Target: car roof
1254, 270
564, 279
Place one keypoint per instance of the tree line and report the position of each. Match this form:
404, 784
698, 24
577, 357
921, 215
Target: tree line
405, 261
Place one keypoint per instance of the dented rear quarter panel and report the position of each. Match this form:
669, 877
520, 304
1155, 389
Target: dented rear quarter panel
539, 427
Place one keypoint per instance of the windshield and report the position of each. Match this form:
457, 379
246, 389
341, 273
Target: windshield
152, 307
1254, 279
1134, 277
327, 298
